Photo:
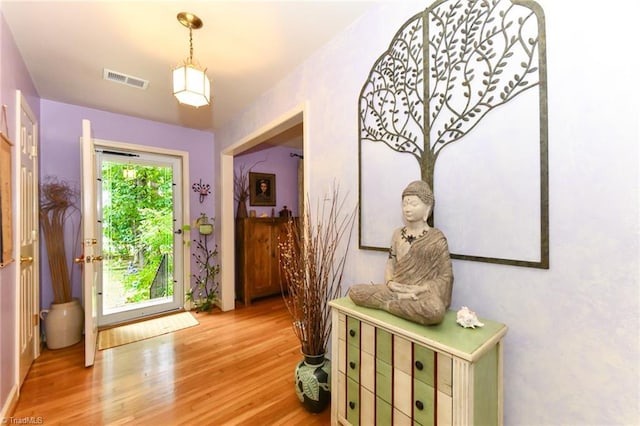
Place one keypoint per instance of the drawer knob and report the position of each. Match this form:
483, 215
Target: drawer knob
419, 405
352, 405
352, 365
352, 333
419, 365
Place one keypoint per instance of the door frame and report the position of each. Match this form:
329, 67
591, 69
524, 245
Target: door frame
89, 241
295, 116
186, 237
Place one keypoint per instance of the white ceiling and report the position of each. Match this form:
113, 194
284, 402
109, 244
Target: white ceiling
247, 46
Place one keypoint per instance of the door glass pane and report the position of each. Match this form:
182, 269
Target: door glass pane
137, 234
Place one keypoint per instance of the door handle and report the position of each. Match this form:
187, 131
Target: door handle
87, 259
26, 259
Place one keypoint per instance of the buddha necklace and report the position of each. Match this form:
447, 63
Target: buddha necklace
411, 238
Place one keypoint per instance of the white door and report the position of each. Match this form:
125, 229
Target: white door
140, 203
27, 226
91, 253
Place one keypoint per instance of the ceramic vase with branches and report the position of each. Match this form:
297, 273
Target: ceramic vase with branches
312, 257
64, 320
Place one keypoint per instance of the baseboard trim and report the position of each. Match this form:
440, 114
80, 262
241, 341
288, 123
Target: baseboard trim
9, 406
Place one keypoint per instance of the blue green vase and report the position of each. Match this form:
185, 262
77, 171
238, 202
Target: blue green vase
313, 382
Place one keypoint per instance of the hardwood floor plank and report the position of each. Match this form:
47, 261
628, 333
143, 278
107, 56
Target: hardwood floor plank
235, 368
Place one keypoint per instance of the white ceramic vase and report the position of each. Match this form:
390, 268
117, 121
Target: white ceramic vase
63, 323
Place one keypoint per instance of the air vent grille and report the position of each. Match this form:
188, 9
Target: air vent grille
122, 78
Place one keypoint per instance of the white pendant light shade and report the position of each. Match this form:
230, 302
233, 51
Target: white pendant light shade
191, 85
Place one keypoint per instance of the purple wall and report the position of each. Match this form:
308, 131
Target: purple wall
61, 128
13, 76
276, 160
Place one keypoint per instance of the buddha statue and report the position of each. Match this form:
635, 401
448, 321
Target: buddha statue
418, 275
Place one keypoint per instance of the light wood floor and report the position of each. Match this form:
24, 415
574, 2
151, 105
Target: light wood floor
234, 368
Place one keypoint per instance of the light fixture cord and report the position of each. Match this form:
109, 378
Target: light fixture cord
190, 45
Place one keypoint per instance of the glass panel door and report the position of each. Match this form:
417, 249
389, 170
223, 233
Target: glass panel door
138, 196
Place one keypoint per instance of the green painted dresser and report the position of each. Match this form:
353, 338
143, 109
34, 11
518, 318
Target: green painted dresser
389, 371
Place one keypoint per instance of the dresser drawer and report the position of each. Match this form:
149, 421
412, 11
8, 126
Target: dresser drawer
383, 411
401, 419
402, 389
353, 332
383, 345
423, 403
384, 380
367, 407
353, 402
402, 355
423, 364
367, 371
367, 338
353, 363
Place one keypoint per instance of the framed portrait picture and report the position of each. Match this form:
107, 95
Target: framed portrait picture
262, 189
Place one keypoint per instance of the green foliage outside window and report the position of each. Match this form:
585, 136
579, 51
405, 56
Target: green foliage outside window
137, 224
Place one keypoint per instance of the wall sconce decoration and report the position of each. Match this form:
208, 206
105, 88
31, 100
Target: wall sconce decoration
202, 189
203, 225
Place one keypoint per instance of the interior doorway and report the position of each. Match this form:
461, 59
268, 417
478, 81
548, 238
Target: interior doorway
293, 119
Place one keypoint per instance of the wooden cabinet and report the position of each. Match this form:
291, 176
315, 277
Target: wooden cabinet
257, 257
389, 371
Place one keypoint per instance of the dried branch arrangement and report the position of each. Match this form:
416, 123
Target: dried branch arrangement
241, 182
57, 202
241, 185
312, 258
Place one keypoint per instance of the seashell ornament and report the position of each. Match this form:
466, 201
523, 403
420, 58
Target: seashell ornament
467, 318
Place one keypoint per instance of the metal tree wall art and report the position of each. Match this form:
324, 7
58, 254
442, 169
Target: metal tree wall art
447, 70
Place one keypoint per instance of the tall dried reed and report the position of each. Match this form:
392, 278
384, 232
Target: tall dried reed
57, 202
312, 257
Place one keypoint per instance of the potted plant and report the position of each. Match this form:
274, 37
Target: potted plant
312, 259
63, 321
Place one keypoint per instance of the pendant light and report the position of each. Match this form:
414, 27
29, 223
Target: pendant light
190, 83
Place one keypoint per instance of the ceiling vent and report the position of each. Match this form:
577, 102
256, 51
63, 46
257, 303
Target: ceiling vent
121, 78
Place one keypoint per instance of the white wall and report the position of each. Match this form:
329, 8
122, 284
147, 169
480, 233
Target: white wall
572, 351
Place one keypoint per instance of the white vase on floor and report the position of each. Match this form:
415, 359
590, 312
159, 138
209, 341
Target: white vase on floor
63, 323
